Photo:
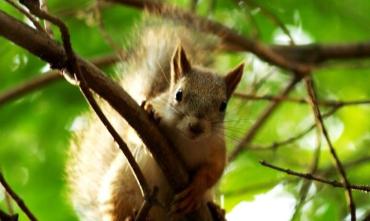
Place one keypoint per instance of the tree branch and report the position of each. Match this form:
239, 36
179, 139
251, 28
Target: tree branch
292, 57
330, 170
319, 53
294, 138
28, 15
309, 176
321, 126
228, 36
47, 78
45, 48
330, 103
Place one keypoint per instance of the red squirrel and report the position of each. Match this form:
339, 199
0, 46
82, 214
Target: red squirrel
187, 100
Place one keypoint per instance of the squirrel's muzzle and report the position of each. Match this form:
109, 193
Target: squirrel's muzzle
196, 128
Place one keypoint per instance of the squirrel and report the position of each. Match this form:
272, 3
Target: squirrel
166, 74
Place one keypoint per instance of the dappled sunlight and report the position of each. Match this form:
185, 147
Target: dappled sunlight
277, 205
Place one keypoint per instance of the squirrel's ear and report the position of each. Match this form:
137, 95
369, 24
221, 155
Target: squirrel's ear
180, 64
232, 79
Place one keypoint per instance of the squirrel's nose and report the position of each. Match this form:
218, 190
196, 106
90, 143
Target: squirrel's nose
196, 128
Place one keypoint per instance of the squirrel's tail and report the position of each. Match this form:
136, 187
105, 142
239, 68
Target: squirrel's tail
147, 72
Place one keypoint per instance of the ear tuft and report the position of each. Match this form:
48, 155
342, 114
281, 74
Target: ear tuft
232, 79
179, 63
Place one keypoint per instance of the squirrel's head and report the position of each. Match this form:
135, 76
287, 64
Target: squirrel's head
198, 97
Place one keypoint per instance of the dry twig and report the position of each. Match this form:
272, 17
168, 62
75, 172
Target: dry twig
322, 128
292, 139
309, 176
328, 103
28, 15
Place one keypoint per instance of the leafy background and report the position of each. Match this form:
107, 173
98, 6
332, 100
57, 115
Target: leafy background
35, 129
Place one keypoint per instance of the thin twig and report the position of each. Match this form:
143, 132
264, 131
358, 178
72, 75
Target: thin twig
47, 25
274, 18
16, 198
321, 126
294, 138
28, 15
139, 176
309, 176
97, 7
45, 79
330, 103
29, 86
261, 121
330, 170
313, 168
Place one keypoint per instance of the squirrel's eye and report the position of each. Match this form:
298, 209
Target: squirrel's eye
179, 95
223, 106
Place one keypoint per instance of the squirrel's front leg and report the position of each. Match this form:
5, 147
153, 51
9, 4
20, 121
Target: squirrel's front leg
191, 198
194, 195
148, 107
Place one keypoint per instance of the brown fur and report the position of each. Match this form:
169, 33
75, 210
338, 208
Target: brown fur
102, 185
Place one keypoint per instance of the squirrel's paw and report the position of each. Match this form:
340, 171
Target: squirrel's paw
188, 200
148, 107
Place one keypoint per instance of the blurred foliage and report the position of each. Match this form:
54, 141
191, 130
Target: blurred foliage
35, 129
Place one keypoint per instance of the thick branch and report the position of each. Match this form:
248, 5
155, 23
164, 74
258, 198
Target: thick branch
230, 37
292, 57
45, 48
318, 53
